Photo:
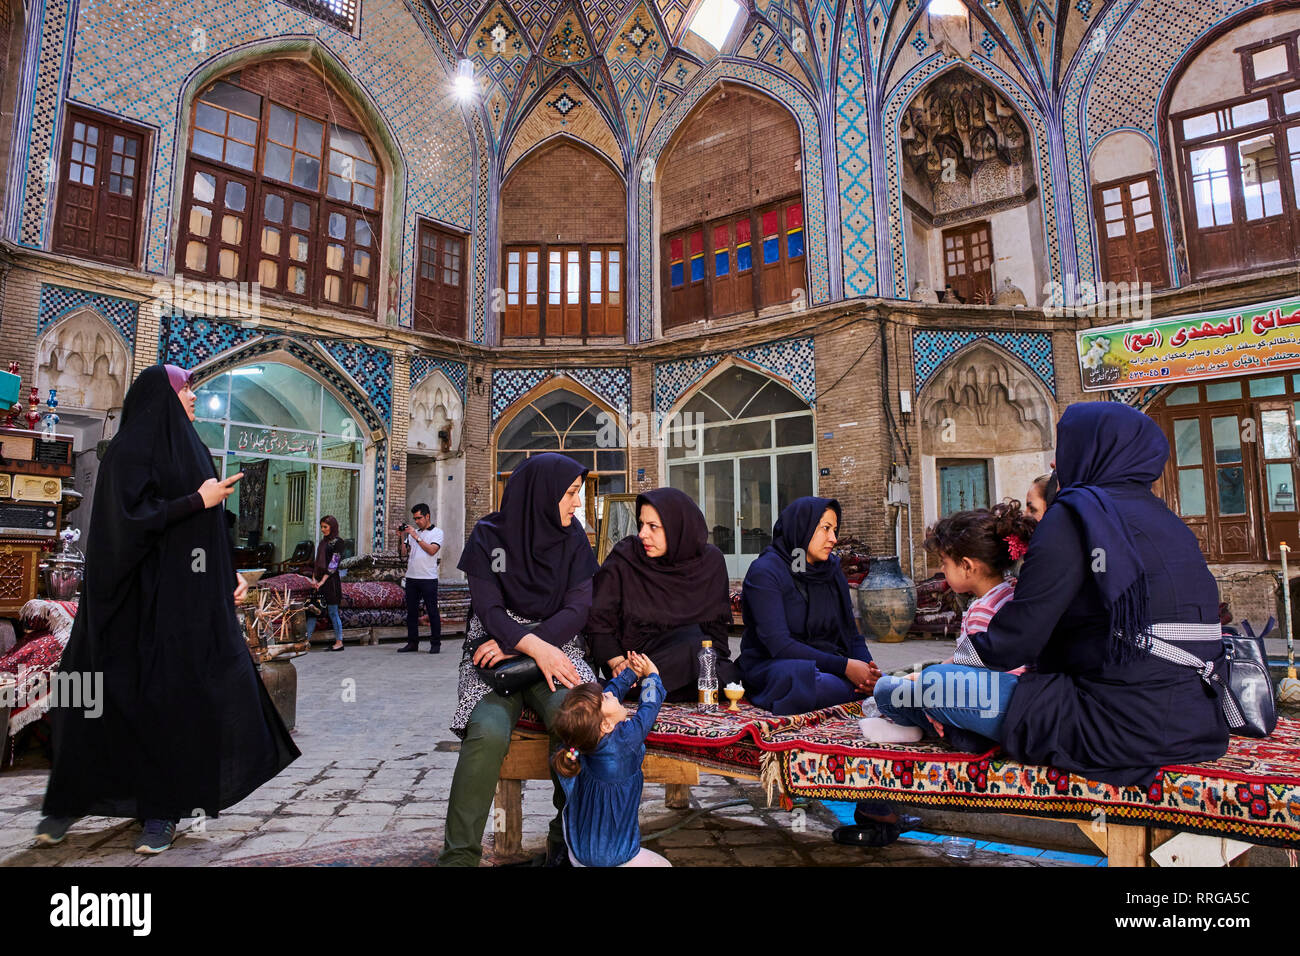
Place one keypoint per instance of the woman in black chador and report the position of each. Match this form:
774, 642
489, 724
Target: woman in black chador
661, 592
186, 725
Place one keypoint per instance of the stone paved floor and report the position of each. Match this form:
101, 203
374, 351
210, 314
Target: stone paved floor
379, 767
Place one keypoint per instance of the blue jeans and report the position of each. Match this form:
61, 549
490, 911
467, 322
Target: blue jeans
333, 611
968, 698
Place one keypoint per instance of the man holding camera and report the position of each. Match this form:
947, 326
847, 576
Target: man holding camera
420, 546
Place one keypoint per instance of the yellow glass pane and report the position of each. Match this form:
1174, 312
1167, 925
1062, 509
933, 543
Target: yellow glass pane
333, 286
232, 229
333, 256
360, 295
270, 241
200, 221
298, 246
268, 273
297, 280
228, 264
360, 263
196, 256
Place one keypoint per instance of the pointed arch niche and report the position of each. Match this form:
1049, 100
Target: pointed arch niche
731, 209
986, 431
85, 359
563, 228
435, 464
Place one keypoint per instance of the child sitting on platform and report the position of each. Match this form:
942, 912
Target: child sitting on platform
600, 767
978, 549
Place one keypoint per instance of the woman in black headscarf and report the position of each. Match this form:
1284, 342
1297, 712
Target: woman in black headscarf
529, 567
186, 725
661, 592
1109, 566
325, 577
801, 649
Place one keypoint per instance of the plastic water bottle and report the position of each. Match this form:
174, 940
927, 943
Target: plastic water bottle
708, 681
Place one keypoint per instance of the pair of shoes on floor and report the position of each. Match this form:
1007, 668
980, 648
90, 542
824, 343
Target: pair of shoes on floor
867, 813
157, 836
52, 830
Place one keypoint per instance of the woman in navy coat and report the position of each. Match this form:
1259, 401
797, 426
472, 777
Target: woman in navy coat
801, 649
1108, 564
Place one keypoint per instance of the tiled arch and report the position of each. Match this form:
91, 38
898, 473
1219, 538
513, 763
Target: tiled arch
787, 94
902, 94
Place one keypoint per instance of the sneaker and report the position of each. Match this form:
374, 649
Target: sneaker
52, 830
157, 836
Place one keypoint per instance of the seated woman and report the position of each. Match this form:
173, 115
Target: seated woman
661, 593
529, 568
1109, 565
801, 649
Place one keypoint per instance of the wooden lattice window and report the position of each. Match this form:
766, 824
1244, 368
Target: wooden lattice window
99, 207
440, 282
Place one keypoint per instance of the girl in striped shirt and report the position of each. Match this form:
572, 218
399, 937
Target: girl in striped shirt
977, 549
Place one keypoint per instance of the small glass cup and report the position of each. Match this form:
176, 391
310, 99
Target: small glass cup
958, 848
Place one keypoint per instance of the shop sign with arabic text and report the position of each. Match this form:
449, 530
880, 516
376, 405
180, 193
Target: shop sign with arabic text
1221, 344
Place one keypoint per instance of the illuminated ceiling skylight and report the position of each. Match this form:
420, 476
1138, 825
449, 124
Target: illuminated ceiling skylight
713, 21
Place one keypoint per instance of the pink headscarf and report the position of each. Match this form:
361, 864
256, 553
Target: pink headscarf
178, 377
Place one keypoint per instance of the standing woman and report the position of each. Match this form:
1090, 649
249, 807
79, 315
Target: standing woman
325, 576
801, 649
529, 567
661, 592
187, 726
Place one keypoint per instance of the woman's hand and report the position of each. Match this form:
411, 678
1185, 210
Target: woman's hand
616, 665
555, 664
641, 665
215, 492
489, 654
241, 589
862, 674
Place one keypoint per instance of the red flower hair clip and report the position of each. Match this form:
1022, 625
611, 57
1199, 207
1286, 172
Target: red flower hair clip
1016, 546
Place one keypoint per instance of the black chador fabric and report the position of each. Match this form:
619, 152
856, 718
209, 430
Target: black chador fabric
1107, 557
525, 547
187, 725
829, 625
663, 607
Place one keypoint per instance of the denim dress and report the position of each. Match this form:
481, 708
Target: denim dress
603, 801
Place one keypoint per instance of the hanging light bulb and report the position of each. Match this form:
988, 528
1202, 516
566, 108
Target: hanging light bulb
946, 8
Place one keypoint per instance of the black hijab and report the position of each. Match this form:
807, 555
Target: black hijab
187, 722
533, 557
829, 623
687, 584
1101, 446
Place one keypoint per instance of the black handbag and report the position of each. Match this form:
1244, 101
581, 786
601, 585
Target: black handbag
510, 676
1247, 694
315, 604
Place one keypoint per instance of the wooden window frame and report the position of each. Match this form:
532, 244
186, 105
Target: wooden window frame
966, 230
437, 320
550, 318
106, 126
1125, 184
1200, 261
696, 299
318, 200
1247, 54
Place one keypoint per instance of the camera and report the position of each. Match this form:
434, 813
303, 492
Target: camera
403, 528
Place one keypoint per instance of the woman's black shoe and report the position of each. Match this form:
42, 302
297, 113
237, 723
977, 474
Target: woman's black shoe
878, 834
435, 647
407, 648
867, 814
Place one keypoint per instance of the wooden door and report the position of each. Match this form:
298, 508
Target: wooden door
605, 290
1266, 222
1129, 233
773, 286
564, 291
215, 221
523, 310
968, 261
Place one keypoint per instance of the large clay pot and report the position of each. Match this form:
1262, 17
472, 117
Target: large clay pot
887, 601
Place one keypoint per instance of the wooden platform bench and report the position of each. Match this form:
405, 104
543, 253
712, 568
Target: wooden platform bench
1201, 815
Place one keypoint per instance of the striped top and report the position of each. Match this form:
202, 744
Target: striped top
981, 610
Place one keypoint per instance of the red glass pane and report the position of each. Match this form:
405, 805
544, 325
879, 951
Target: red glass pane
769, 224
742, 231
674, 250
721, 238
794, 216
697, 243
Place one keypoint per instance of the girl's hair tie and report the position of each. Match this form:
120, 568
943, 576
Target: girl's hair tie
1016, 546
573, 753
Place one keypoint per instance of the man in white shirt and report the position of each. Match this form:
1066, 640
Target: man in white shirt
420, 546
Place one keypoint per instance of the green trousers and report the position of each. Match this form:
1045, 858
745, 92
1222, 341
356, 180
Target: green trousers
473, 787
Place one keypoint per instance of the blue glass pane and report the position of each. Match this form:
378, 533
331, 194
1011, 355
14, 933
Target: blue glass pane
771, 250
678, 274
744, 258
721, 263
697, 268
794, 244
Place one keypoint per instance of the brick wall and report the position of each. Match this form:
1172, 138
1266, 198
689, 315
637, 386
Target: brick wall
564, 194
735, 152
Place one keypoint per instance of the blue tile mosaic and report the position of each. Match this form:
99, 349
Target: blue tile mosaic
58, 301
857, 211
932, 347
790, 359
457, 372
613, 385
370, 367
